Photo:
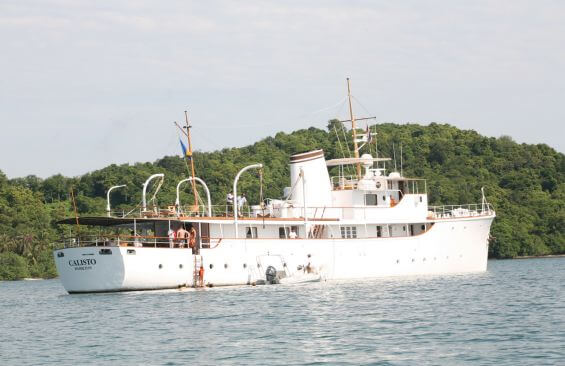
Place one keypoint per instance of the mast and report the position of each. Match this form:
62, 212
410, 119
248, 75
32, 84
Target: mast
354, 129
189, 153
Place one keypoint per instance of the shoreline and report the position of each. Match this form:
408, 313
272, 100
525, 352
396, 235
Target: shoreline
539, 256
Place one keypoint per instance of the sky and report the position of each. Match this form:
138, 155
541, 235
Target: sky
85, 84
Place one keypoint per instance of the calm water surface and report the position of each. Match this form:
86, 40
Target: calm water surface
514, 314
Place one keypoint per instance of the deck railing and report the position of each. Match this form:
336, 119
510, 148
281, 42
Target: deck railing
453, 211
115, 241
288, 210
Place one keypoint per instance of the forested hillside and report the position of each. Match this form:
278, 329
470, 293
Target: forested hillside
525, 183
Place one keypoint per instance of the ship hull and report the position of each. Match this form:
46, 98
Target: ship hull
450, 246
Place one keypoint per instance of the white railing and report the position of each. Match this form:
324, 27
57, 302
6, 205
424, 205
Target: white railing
114, 241
453, 211
344, 182
290, 210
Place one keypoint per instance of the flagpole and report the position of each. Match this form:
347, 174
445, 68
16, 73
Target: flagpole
354, 129
195, 207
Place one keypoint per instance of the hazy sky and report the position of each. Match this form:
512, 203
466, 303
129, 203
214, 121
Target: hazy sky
88, 83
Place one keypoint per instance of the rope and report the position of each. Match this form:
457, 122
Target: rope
157, 190
292, 188
261, 195
348, 151
339, 142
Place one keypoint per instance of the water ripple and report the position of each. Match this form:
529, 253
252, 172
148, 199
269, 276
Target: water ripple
512, 314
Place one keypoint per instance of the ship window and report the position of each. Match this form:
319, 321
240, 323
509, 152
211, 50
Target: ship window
348, 232
379, 231
284, 232
423, 227
378, 185
371, 199
251, 232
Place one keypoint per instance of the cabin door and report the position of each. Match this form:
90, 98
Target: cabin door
204, 235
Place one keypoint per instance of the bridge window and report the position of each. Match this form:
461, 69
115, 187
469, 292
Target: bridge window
371, 199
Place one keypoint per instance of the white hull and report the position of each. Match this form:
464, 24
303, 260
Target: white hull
450, 246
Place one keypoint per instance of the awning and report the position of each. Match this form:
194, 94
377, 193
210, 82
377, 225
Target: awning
111, 221
349, 161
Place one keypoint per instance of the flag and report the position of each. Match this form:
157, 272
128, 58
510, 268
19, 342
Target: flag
184, 153
369, 136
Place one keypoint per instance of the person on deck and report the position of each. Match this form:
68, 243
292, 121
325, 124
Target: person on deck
192, 237
241, 201
182, 235
194, 241
172, 236
229, 204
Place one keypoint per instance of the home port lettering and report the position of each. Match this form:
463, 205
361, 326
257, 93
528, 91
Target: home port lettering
82, 264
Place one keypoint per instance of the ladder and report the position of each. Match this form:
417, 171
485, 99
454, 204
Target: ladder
197, 281
318, 230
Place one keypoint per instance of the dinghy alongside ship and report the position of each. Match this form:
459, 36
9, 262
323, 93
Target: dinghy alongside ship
365, 225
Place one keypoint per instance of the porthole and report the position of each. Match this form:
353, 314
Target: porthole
60, 254
225, 265
180, 266
284, 265
397, 261
160, 266
423, 227
211, 266
258, 265
412, 259
244, 265
420, 199
378, 185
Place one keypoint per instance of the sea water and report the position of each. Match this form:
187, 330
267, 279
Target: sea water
513, 314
